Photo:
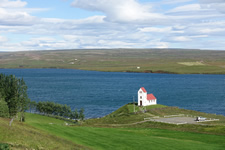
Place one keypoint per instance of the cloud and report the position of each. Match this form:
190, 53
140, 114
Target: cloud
218, 5
11, 13
155, 30
175, 1
178, 39
185, 8
211, 29
121, 11
46, 43
210, 1
9, 17
122, 24
12, 4
3, 39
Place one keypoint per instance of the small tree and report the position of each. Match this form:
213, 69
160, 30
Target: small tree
81, 114
58, 109
23, 99
40, 107
49, 107
32, 105
66, 110
74, 114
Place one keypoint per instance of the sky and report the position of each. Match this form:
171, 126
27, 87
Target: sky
85, 24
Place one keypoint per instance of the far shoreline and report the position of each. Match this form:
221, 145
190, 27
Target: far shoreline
127, 71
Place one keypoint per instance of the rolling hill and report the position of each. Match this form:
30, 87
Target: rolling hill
179, 61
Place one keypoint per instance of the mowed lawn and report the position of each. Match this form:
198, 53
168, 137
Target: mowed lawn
126, 138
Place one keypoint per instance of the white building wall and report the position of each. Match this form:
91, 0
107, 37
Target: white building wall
153, 102
142, 97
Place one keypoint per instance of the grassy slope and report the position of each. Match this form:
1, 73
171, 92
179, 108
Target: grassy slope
124, 117
140, 136
128, 138
120, 60
23, 136
50, 133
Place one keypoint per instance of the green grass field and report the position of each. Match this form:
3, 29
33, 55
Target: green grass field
114, 131
23, 136
127, 138
121, 60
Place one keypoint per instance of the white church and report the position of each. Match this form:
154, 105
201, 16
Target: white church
145, 99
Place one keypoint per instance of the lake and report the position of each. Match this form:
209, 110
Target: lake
101, 93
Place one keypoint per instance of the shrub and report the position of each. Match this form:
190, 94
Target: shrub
4, 146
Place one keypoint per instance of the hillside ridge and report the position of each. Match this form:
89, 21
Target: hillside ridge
179, 61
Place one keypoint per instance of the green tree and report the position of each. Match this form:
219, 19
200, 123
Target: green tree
4, 110
32, 105
2, 85
49, 107
40, 107
58, 109
11, 95
74, 114
67, 111
22, 99
81, 114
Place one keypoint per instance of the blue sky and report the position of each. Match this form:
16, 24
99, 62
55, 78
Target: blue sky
72, 24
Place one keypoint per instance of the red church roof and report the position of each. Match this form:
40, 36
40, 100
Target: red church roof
150, 97
143, 89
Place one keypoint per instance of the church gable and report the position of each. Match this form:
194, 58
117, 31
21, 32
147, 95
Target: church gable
144, 90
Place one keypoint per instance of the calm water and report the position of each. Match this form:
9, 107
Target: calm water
100, 93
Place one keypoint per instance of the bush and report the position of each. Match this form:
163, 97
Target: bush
4, 146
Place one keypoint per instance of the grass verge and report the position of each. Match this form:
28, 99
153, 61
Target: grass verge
23, 136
